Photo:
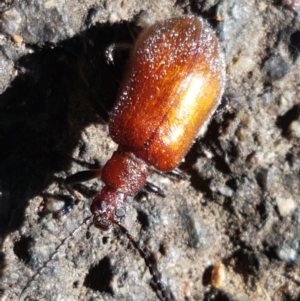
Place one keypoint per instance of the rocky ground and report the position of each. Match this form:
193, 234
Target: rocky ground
229, 232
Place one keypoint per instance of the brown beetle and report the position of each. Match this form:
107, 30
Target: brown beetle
174, 82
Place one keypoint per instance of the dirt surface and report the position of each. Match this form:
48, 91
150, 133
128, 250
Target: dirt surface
233, 224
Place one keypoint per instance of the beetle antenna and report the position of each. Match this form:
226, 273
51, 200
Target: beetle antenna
23, 294
161, 291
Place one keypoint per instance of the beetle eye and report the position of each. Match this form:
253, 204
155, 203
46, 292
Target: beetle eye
102, 206
120, 212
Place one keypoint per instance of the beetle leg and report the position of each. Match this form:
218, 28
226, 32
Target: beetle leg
152, 188
76, 178
178, 174
109, 52
80, 177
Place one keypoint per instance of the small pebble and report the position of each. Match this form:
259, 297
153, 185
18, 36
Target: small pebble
17, 39
287, 254
218, 275
285, 205
53, 205
294, 129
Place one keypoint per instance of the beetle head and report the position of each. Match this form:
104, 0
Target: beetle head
108, 208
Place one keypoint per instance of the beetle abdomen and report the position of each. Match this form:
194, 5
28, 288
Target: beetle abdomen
173, 84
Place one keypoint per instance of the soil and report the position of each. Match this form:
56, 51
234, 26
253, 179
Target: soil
230, 231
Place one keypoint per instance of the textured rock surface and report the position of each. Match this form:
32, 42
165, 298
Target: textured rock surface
240, 206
